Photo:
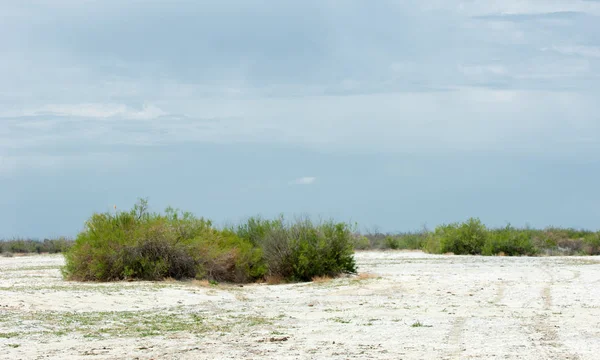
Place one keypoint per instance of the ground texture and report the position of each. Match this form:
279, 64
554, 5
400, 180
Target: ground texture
403, 305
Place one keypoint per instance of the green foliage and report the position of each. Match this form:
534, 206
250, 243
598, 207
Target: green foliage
142, 245
148, 246
472, 237
399, 241
408, 241
360, 242
302, 250
459, 238
26, 246
509, 241
592, 244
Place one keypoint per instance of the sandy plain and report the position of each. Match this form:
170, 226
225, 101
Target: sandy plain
402, 305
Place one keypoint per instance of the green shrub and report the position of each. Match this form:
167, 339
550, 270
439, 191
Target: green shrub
27, 246
458, 238
392, 242
321, 250
398, 241
406, 241
141, 245
433, 244
301, 250
509, 241
361, 242
592, 244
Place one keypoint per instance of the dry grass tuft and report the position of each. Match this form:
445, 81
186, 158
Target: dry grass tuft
200, 283
365, 276
322, 279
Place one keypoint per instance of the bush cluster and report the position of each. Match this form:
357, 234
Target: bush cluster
473, 237
301, 250
150, 246
404, 241
28, 246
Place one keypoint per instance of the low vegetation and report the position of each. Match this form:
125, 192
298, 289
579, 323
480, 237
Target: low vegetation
473, 237
138, 244
142, 245
29, 246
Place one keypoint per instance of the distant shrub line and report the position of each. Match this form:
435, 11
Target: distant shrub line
138, 244
28, 246
473, 237
142, 245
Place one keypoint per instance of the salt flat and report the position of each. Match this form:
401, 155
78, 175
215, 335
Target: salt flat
403, 305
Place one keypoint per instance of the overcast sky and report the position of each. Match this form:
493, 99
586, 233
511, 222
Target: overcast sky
393, 114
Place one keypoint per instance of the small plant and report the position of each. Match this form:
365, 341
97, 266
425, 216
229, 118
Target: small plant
419, 324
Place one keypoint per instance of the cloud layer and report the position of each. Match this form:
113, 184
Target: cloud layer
113, 85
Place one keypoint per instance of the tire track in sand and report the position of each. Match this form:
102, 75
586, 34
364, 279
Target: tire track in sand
543, 332
500, 290
455, 338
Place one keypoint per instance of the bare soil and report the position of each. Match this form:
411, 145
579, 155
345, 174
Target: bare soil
402, 305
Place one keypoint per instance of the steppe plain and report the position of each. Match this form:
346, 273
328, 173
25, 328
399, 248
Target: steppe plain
401, 305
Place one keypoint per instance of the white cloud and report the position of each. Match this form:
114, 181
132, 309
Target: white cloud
483, 70
307, 180
513, 7
99, 161
585, 51
100, 111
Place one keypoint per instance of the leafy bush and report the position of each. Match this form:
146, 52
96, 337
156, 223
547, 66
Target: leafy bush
301, 250
361, 242
591, 244
398, 241
509, 241
141, 245
405, 241
459, 238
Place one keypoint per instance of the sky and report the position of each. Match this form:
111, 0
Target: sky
392, 114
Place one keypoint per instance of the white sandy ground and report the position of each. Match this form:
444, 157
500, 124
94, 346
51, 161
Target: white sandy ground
470, 307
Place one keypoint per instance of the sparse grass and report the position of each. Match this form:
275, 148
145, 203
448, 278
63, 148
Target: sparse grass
35, 268
8, 335
419, 324
340, 320
126, 323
